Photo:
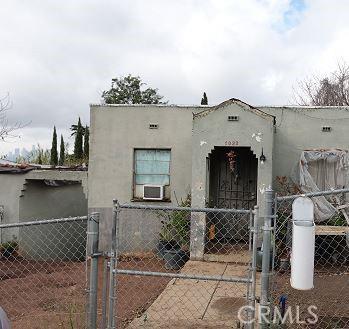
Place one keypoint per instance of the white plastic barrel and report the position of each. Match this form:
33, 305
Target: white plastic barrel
303, 244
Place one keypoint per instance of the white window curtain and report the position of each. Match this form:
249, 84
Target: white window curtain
152, 167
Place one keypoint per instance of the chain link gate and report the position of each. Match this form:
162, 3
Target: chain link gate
153, 284
326, 305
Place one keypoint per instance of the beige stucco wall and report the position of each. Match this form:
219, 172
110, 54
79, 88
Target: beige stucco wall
10, 191
213, 129
14, 196
298, 129
72, 175
117, 130
40, 201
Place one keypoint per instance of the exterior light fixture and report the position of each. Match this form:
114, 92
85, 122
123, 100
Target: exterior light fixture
262, 158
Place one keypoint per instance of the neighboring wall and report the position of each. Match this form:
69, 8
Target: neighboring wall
68, 175
298, 129
25, 196
53, 241
115, 132
40, 201
11, 186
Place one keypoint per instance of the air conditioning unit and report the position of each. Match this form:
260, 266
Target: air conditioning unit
153, 192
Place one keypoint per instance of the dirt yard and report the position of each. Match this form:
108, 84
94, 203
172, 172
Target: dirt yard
136, 293
52, 294
330, 295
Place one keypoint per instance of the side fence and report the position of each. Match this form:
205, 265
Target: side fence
50, 275
44, 280
327, 303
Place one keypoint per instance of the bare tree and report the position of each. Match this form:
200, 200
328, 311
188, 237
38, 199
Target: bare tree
325, 91
7, 130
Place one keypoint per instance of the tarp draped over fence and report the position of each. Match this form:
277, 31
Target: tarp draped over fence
319, 170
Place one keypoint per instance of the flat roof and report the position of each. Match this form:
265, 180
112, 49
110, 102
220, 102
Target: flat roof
187, 106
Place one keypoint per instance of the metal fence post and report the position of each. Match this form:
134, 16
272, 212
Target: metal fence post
250, 247
113, 264
264, 302
93, 234
105, 292
252, 295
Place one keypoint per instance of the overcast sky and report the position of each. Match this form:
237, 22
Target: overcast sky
58, 56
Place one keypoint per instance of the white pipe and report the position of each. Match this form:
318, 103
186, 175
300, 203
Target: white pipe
303, 244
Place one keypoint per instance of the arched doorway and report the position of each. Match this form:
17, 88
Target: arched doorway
233, 178
232, 184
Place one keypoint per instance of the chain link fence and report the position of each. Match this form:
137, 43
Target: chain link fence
154, 284
174, 267
43, 276
328, 300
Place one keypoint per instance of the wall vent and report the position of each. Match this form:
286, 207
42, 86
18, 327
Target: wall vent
326, 129
153, 192
153, 126
233, 118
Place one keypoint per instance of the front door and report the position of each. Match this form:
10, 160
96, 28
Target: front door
233, 184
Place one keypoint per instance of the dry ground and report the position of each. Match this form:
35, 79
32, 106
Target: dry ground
330, 295
52, 294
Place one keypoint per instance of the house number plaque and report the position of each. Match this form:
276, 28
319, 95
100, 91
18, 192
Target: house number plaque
231, 143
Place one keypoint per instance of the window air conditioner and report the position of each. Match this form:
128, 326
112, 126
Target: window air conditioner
153, 192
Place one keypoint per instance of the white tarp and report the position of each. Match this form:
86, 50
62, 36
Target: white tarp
320, 170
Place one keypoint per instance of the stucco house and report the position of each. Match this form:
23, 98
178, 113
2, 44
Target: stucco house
224, 155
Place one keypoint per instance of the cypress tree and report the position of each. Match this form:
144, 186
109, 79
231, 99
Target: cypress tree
62, 152
204, 100
39, 158
86, 143
54, 154
78, 151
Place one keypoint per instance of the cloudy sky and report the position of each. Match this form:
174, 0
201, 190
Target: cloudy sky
58, 56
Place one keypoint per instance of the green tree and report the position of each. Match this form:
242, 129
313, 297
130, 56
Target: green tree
204, 100
74, 129
62, 152
78, 150
39, 158
128, 90
54, 154
86, 143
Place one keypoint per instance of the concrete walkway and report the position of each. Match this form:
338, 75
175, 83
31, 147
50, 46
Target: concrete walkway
189, 304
